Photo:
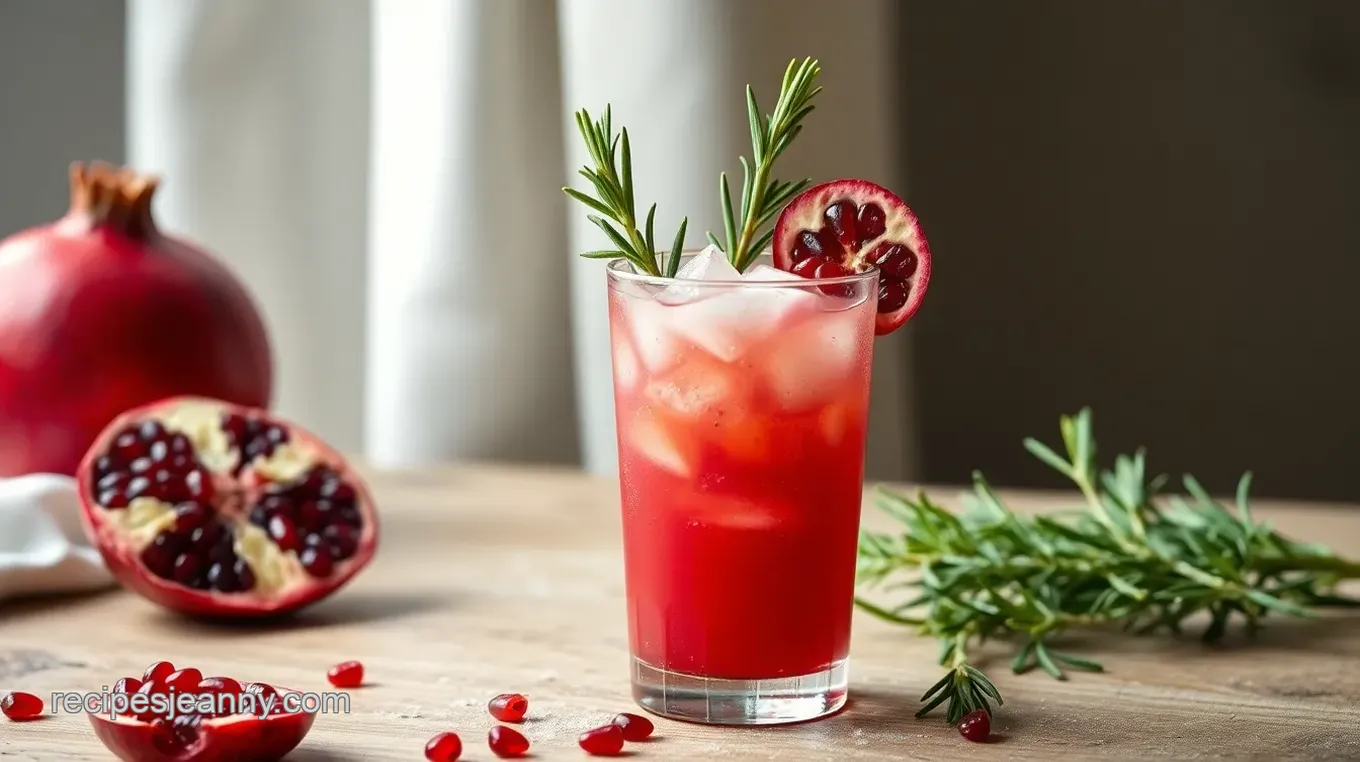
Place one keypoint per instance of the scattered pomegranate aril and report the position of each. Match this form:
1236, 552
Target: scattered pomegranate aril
850, 226
232, 730
215, 510
604, 741
508, 707
101, 312
976, 726
635, 727
445, 747
507, 742
348, 674
20, 706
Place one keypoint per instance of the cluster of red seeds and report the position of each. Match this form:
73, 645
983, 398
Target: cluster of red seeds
604, 741
163, 679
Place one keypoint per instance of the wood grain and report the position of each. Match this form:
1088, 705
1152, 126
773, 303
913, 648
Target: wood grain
493, 579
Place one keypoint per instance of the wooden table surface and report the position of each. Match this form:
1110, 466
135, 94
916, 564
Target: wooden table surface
495, 579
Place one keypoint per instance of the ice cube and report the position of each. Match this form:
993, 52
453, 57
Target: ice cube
708, 265
655, 444
625, 363
767, 273
653, 335
812, 359
730, 323
729, 512
695, 388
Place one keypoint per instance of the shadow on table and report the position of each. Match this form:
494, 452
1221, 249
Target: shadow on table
344, 609
320, 755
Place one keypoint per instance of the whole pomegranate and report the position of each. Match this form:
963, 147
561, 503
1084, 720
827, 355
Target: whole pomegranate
224, 511
101, 312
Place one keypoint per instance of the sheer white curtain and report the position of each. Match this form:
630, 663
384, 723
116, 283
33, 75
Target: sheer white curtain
386, 176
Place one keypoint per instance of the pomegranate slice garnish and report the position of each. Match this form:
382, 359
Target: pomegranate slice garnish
247, 730
212, 509
508, 707
848, 226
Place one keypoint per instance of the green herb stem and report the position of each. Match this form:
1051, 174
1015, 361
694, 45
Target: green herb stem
1133, 556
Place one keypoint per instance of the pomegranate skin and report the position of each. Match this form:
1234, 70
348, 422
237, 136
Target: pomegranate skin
100, 312
231, 739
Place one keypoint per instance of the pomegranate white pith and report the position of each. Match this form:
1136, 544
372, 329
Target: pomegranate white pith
211, 509
849, 226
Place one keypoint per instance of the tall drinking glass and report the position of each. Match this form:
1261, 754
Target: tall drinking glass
742, 407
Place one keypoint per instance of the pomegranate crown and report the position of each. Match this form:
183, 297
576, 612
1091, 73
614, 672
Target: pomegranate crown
119, 198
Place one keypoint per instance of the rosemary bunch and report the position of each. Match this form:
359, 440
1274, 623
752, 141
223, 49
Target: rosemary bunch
1131, 557
763, 197
612, 177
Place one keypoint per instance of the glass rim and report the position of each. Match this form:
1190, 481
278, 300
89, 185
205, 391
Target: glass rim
616, 271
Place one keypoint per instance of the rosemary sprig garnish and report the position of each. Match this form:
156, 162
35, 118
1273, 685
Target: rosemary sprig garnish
612, 177
763, 197
1131, 557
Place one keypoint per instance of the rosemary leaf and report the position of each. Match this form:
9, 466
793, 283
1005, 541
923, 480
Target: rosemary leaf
1128, 559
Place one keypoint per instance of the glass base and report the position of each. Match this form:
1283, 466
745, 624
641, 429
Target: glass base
714, 701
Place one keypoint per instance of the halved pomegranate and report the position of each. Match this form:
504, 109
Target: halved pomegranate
224, 722
212, 509
847, 226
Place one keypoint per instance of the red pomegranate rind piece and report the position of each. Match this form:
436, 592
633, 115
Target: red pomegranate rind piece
191, 738
215, 510
856, 224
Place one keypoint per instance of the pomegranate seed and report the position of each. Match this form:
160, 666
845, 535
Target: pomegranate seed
976, 726
190, 516
149, 688
508, 707
634, 727
21, 706
604, 741
317, 562
840, 218
871, 222
128, 685
349, 674
157, 672
891, 296
445, 747
265, 697
219, 685
507, 742
184, 681
283, 533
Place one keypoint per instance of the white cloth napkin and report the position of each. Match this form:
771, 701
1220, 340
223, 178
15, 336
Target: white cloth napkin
43, 548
